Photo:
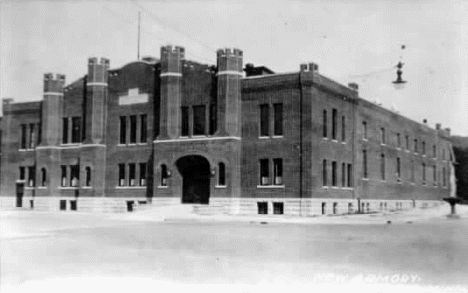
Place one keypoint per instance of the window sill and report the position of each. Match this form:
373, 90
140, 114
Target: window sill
365, 139
383, 144
163, 186
324, 138
221, 186
68, 187
29, 188
365, 179
343, 142
130, 187
270, 186
398, 149
42, 187
26, 150
278, 136
347, 188
263, 137
87, 187
334, 140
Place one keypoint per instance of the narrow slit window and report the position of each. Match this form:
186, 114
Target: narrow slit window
364, 129
350, 175
382, 135
398, 138
63, 169
121, 174
143, 128
133, 129
213, 118
424, 174
143, 168
382, 166
221, 174
164, 175
334, 174
74, 175
264, 120
434, 174
199, 120
43, 177
278, 171
131, 174
185, 121
324, 173
264, 172
334, 123
325, 124
76, 129
23, 136
88, 176
278, 126
364, 164
65, 130
22, 173
398, 168
31, 176
32, 138
343, 174
123, 130
343, 128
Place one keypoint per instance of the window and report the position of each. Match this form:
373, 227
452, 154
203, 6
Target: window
350, 175
278, 171
434, 174
412, 172
22, 173
199, 120
131, 174
39, 133
407, 142
325, 123
382, 135
423, 174
264, 172
76, 129
434, 151
221, 174
143, 167
74, 175
32, 139
121, 174
324, 173
185, 121
264, 120
133, 129
444, 177
423, 147
23, 136
123, 130
382, 166
334, 123
364, 129
443, 155
262, 208
63, 176
143, 128
364, 163
343, 128
278, 126
31, 176
213, 118
164, 175
88, 176
65, 130
415, 145
343, 174
398, 139
43, 177
398, 169
334, 175
278, 208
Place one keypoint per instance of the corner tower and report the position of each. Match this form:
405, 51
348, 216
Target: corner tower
96, 109
171, 91
52, 109
229, 76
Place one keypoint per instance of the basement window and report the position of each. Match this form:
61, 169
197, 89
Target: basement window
262, 208
278, 208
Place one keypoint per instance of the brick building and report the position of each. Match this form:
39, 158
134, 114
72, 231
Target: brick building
226, 137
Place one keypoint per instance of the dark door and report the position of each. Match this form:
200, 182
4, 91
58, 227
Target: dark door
195, 171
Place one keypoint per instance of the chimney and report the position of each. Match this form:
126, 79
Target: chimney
354, 86
438, 126
425, 121
447, 130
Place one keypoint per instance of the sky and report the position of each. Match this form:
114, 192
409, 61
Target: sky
351, 41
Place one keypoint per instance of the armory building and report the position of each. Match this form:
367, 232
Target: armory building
226, 137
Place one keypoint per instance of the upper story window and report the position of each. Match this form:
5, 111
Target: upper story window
334, 123
43, 177
123, 130
324, 173
382, 166
364, 164
143, 128
434, 151
88, 176
131, 174
22, 173
423, 147
264, 120
221, 174
76, 130
278, 171
121, 174
23, 136
415, 145
264, 172
199, 120
382, 135
164, 175
334, 174
143, 168
133, 129
65, 130
343, 128
398, 138
185, 121
32, 138
364, 129
213, 118
278, 119
31, 176
407, 140
398, 168
423, 173
325, 124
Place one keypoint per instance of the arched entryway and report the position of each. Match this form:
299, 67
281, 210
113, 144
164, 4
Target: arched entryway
195, 171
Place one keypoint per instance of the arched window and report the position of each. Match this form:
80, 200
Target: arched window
43, 177
221, 174
88, 176
164, 175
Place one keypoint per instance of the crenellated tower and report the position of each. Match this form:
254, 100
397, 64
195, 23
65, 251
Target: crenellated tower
52, 109
96, 104
171, 91
229, 92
